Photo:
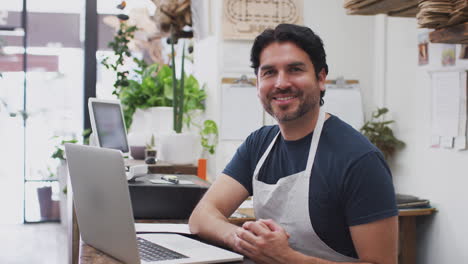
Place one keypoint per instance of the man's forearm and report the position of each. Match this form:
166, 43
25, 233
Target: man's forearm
213, 226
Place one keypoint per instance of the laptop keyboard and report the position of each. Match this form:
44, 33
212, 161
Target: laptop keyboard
152, 252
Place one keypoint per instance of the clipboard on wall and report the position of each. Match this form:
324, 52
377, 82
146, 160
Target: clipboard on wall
241, 111
343, 99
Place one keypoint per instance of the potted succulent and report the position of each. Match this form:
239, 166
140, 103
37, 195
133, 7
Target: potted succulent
151, 152
378, 131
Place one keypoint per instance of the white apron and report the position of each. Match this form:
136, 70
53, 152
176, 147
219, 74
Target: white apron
287, 203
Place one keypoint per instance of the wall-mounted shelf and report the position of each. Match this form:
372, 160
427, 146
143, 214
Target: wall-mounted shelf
457, 34
399, 8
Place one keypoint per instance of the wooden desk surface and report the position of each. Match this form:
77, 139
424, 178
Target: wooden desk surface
416, 212
407, 229
90, 255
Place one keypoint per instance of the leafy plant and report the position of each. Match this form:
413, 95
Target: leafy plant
4, 104
120, 47
59, 152
380, 134
194, 97
188, 96
157, 85
86, 134
209, 136
152, 88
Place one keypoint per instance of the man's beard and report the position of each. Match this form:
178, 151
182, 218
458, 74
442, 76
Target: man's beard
306, 103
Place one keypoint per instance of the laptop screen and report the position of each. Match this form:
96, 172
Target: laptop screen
110, 126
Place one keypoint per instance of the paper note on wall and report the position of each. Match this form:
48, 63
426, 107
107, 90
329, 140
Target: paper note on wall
445, 103
346, 103
460, 140
241, 111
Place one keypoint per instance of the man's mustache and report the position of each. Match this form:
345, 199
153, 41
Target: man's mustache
288, 91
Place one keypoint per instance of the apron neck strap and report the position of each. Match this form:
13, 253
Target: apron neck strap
265, 155
313, 144
315, 139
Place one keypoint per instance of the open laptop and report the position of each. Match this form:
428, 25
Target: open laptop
105, 217
108, 124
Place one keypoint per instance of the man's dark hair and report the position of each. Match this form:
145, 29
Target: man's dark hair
303, 37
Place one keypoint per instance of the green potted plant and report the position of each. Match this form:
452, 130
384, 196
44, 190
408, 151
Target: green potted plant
209, 140
178, 147
147, 88
379, 132
153, 86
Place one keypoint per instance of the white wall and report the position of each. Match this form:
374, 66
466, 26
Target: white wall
348, 40
435, 174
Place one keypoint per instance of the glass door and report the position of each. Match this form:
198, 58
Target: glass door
11, 121
47, 102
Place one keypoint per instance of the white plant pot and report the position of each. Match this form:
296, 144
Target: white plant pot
139, 122
151, 121
180, 148
154, 120
160, 120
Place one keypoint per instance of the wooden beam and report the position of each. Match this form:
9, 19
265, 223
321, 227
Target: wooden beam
405, 12
457, 34
384, 7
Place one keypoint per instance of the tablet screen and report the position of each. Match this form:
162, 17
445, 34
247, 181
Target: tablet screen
110, 126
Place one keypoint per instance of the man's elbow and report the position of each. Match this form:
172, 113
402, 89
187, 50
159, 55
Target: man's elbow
194, 221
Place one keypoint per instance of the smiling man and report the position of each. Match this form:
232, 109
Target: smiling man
322, 192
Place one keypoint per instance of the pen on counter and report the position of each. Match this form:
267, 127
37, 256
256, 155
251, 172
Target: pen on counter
170, 178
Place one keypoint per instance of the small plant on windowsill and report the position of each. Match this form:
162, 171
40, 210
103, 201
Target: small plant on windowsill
151, 152
378, 131
59, 154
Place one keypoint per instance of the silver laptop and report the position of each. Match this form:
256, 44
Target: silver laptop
105, 217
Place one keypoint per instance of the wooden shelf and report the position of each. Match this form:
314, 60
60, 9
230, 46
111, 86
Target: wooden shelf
457, 34
399, 8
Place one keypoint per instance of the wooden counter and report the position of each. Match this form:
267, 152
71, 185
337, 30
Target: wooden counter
407, 222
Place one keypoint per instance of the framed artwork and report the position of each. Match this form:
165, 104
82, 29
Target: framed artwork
423, 48
448, 55
245, 19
